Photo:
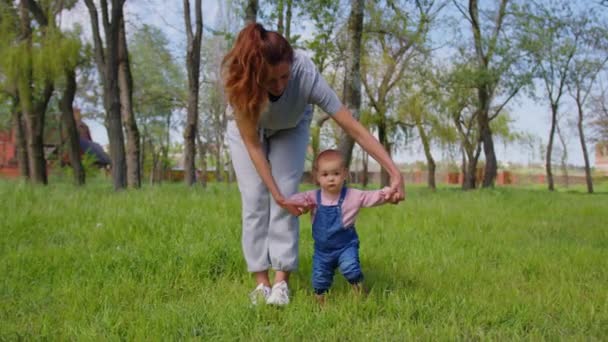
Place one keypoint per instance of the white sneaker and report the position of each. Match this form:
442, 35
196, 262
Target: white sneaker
279, 294
260, 294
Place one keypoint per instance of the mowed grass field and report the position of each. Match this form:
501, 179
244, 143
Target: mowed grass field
165, 263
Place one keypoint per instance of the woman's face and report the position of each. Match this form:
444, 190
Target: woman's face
277, 78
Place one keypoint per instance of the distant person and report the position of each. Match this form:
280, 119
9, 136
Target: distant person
271, 89
334, 210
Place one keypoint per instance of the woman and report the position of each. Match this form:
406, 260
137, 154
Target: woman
271, 89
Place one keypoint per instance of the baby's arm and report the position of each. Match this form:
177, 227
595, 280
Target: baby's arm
371, 198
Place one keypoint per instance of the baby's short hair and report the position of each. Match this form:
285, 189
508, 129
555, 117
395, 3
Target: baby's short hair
329, 154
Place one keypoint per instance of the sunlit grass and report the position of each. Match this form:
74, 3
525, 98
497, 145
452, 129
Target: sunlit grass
165, 263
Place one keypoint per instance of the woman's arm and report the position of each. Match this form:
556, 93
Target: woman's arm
372, 146
258, 158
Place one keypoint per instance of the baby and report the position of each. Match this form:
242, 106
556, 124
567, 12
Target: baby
334, 209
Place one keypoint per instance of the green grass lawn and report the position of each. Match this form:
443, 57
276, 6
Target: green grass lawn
165, 263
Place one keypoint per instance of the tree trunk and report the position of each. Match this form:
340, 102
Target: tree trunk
581, 134
564, 158
470, 175
202, 155
280, 10
427, 153
550, 183
112, 103
193, 58
470, 152
157, 172
491, 167
142, 155
34, 119
219, 176
352, 75
365, 162
21, 146
288, 20
382, 137
67, 111
315, 135
125, 85
469, 181
22, 158
166, 146
485, 85
107, 65
251, 11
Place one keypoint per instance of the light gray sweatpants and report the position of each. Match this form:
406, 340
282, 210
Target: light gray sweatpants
270, 233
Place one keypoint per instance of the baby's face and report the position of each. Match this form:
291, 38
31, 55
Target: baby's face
331, 174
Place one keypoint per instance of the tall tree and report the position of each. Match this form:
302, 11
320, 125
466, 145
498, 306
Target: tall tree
67, 113
34, 96
459, 104
497, 70
193, 59
588, 64
157, 94
352, 73
106, 59
72, 57
599, 106
214, 118
125, 86
324, 49
551, 39
422, 104
10, 37
394, 38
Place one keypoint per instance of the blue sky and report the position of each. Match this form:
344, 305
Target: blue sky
529, 116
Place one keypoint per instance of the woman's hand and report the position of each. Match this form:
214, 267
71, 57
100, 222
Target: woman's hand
397, 189
372, 146
293, 207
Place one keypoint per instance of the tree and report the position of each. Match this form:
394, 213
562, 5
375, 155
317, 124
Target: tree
193, 59
422, 104
496, 70
458, 102
418, 113
10, 36
552, 40
158, 93
325, 52
35, 85
125, 86
106, 59
72, 58
586, 68
599, 106
213, 120
393, 38
352, 74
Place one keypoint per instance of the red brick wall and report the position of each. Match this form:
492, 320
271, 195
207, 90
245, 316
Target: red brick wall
7, 147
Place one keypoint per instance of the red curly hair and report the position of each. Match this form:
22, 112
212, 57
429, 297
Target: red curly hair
246, 65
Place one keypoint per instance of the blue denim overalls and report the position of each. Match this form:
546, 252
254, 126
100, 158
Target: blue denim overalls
335, 246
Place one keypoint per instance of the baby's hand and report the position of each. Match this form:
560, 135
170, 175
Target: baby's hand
303, 206
307, 205
387, 193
